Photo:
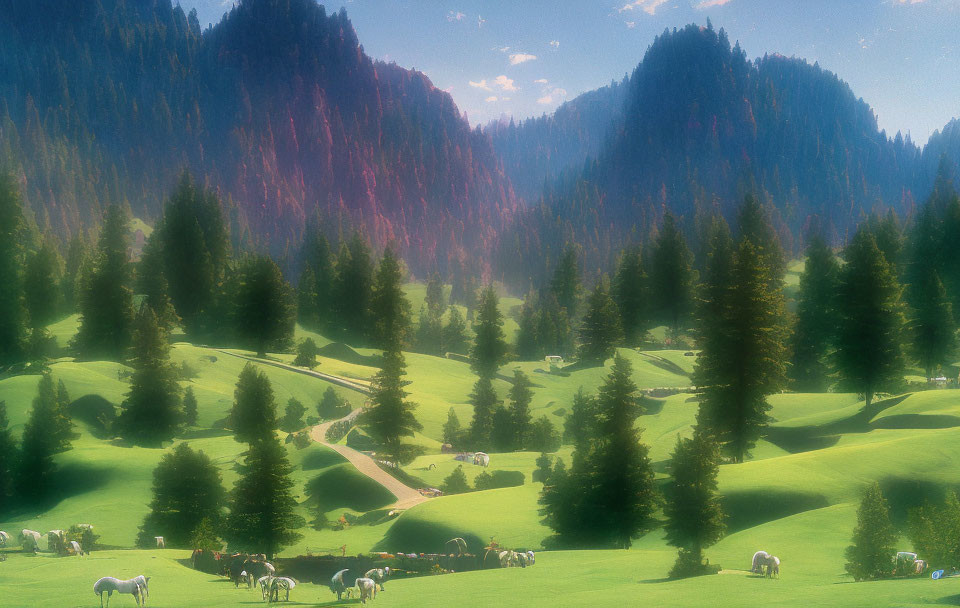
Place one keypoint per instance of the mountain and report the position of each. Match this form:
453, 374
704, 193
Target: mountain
539, 150
702, 126
277, 107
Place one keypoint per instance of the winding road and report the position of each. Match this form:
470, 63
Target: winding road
406, 496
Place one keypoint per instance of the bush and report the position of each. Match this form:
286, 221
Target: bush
313, 421
85, 536
498, 479
456, 482
543, 437
337, 430
306, 354
332, 406
186, 372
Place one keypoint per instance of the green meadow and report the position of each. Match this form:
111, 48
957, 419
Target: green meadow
795, 496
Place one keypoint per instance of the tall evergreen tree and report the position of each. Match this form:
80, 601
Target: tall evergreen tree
932, 325
452, 433
8, 461
12, 314
265, 310
528, 346
520, 397
631, 297
189, 407
74, 266
580, 427
455, 339
743, 362
319, 263
754, 223
484, 400
816, 324
263, 511
36, 468
695, 518
152, 284
502, 433
869, 339
41, 286
151, 413
106, 307
389, 307
187, 489
390, 417
254, 413
871, 554
565, 284
195, 248
354, 290
886, 231
600, 330
671, 277
489, 346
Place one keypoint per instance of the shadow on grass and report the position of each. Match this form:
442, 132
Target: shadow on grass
904, 494
752, 508
418, 536
950, 600
321, 459
96, 412
205, 433
344, 486
916, 421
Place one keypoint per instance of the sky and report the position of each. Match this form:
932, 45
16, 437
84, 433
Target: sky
522, 58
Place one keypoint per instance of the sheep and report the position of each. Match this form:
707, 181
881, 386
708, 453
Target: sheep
75, 548
337, 585
379, 575
368, 589
276, 584
4, 538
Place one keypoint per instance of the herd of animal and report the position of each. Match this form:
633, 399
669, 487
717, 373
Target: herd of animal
366, 585
511, 559
57, 541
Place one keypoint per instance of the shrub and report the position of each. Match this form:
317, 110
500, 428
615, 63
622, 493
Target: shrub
337, 430
332, 406
306, 354
456, 482
498, 479
689, 563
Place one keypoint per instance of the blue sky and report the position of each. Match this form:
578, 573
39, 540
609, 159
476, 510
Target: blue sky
524, 57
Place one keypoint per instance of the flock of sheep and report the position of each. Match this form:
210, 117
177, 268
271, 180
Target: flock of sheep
56, 541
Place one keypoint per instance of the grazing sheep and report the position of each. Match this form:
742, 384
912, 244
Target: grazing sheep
4, 538
337, 585
30, 540
368, 589
759, 560
531, 558
508, 559
773, 566
278, 583
379, 575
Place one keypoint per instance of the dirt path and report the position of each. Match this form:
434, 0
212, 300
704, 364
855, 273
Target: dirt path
406, 496
339, 381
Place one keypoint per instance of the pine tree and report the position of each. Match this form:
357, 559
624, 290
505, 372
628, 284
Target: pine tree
671, 277
565, 284
886, 231
695, 518
306, 354
871, 554
254, 413
41, 287
624, 495
528, 346
631, 297
502, 433
869, 339
452, 434
8, 461
12, 314
543, 436
293, 416
307, 313
189, 407
745, 363
75, 265
434, 301
755, 226
106, 306
489, 346
520, 397
456, 482
816, 324
390, 417
36, 468
933, 329
580, 427
187, 490
151, 413
318, 263
263, 511
544, 468
62, 429
192, 236
484, 400
152, 284
429, 337
332, 407
600, 330
264, 310
455, 338
389, 308
353, 290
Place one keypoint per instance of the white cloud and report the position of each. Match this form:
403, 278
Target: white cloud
480, 85
711, 4
492, 98
560, 92
647, 6
480, 21
631, 24
551, 94
518, 58
502, 49
504, 83
541, 81
455, 16
545, 99
555, 43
